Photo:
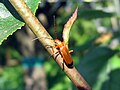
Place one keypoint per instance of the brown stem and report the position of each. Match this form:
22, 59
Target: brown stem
48, 42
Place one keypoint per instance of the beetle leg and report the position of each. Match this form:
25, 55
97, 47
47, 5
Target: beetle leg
56, 47
41, 38
53, 51
70, 51
52, 48
57, 54
63, 65
47, 46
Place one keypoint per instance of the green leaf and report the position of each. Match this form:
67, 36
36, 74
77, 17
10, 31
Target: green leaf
95, 66
93, 14
10, 20
113, 83
12, 78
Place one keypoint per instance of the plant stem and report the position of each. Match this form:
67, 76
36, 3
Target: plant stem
48, 42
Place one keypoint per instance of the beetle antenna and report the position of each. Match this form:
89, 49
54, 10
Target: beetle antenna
55, 28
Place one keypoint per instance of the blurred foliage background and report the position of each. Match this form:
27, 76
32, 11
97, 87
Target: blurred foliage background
94, 37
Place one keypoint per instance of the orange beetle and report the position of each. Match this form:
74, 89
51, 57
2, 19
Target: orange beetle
61, 46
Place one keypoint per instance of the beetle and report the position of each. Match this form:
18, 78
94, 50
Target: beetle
62, 46
65, 53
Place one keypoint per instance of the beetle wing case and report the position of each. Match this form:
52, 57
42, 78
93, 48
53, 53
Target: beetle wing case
66, 56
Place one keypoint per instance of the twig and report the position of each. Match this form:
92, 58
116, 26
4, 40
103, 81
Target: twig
47, 42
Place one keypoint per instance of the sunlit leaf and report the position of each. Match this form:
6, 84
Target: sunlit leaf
10, 20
